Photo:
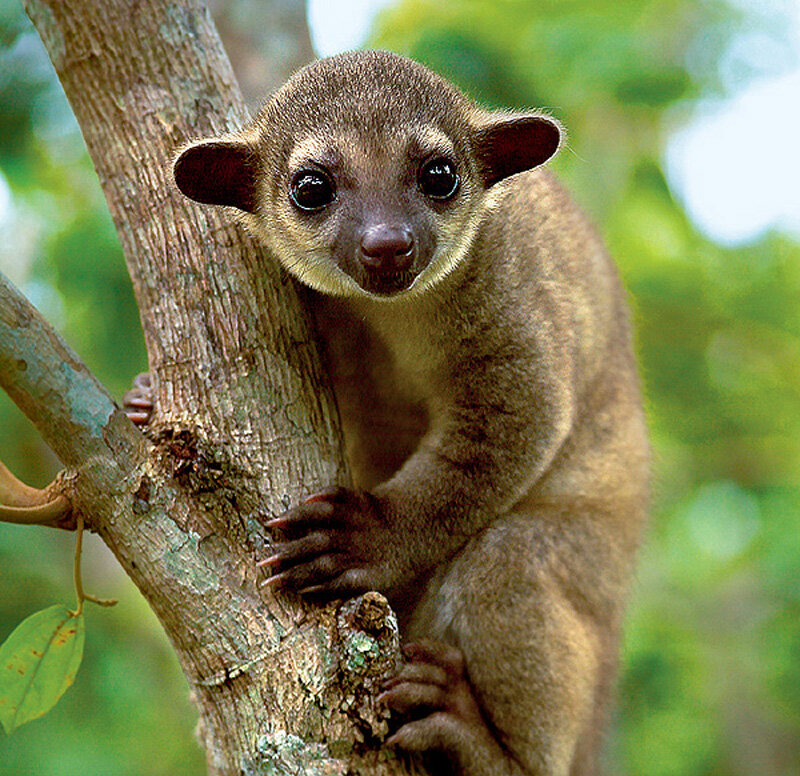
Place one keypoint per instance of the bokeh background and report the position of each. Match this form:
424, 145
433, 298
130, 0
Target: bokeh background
683, 118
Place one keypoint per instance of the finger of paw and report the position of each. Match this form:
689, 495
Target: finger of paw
426, 673
291, 552
446, 656
345, 501
333, 494
302, 519
359, 578
138, 418
143, 381
318, 571
138, 397
407, 696
436, 731
340, 586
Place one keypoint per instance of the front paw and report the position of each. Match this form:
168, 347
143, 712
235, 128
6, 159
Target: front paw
331, 545
139, 403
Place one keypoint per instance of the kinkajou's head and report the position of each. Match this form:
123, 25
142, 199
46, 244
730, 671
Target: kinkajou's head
366, 173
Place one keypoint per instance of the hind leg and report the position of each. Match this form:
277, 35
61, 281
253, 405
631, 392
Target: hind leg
530, 632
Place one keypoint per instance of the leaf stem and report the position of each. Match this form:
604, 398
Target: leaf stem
79, 591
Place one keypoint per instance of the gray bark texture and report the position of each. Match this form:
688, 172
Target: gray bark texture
245, 423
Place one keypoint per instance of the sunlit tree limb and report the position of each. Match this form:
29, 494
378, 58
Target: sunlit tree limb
51, 385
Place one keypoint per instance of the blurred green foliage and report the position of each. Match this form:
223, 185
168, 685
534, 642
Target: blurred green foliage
711, 677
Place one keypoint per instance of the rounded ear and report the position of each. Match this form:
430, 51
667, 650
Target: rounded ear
218, 172
511, 143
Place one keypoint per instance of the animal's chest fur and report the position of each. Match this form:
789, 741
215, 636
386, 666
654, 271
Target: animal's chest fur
384, 378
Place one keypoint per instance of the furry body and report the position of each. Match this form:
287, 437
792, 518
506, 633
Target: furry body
477, 338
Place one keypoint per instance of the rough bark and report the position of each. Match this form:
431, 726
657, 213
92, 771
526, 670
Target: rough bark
245, 423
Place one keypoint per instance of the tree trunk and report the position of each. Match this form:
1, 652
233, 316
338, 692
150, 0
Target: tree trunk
245, 424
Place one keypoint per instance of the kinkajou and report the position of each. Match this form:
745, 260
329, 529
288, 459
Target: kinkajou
477, 338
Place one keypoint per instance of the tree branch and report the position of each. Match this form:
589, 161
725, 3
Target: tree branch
49, 383
69, 407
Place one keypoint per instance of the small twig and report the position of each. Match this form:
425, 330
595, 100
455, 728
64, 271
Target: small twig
79, 591
20, 503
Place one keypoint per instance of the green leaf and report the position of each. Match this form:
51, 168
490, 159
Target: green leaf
38, 662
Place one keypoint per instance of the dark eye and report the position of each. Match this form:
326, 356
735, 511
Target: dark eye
312, 190
438, 178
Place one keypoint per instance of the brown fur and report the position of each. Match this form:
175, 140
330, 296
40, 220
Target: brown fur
491, 410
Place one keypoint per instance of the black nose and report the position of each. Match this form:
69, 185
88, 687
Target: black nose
387, 249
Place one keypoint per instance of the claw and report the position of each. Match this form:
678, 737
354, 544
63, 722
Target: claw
272, 560
277, 580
